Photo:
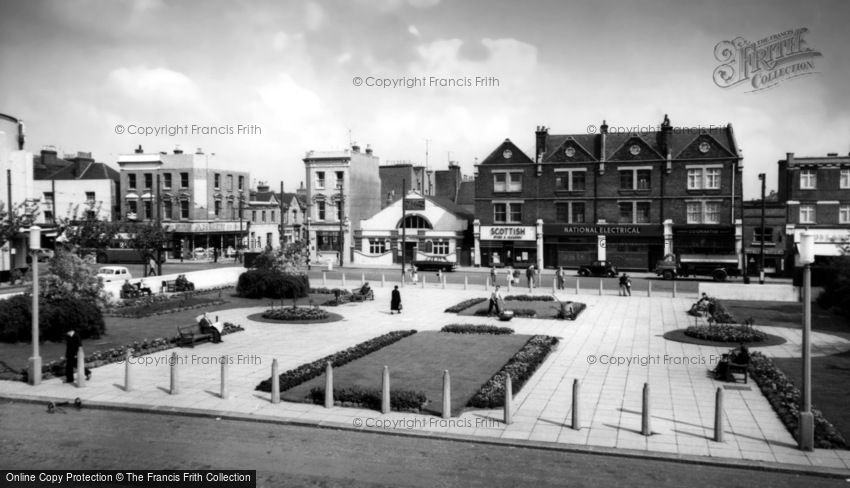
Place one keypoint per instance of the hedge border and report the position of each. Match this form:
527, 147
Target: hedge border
476, 329
521, 367
307, 371
460, 307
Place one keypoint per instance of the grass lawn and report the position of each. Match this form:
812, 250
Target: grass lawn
784, 314
417, 363
152, 308
122, 330
829, 386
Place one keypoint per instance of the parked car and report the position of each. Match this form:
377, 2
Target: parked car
598, 268
435, 263
114, 273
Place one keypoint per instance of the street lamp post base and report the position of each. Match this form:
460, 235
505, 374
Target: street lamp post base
34, 370
807, 431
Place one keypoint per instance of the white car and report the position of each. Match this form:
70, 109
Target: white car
114, 273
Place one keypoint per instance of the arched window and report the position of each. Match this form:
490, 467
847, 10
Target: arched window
415, 222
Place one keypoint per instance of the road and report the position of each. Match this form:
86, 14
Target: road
313, 457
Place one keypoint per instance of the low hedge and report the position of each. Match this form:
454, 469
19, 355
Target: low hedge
712, 307
518, 312
56, 317
520, 367
562, 310
357, 397
784, 397
267, 283
330, 291
460, 307
308, 371
725, 333
296, 313
476, 329
529, 298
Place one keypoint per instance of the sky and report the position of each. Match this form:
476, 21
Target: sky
75, 70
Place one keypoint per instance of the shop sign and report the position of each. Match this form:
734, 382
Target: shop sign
508, 233
601, 229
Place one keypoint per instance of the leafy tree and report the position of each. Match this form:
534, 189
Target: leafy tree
836, 291
21, 216
89, 233
149, 238
291, 258
69, 277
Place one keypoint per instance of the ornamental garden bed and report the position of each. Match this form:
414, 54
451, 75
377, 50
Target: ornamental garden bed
158, 304
298, 315
416, 364
465, 304
541, 308
679, 335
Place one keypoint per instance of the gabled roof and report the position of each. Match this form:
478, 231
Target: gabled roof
498, 155
62, 169
451, 207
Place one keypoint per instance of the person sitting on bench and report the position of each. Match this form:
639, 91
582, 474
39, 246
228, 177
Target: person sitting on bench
210, 327
128, 290
182, 284
365, 290
143, 288
737, 357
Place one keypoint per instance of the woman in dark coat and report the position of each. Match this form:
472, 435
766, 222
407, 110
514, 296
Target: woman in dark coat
395, 301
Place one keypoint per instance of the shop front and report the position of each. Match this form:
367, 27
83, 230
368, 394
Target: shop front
507, 245
627, 246
704, 239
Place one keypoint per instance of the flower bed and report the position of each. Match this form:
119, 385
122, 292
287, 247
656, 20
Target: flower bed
118, 354
784, 397
725, 333
476, 329
711, 307
308, 371
518, 312
161, 307
464, 305
520, 367
329, 291
296, 313
400, 400
529, 298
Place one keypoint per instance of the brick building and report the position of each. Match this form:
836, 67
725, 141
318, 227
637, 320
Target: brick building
75, 187
816, 191
630, 198
774, 235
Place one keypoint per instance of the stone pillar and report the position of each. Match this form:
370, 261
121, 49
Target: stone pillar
739, 245
539, 235
668, 237
476, 230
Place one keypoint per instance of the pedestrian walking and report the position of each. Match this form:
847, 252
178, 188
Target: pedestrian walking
395, 301
215, 255
529, 275
560, 275
495, 302
415, 274
73, 343
510, 275
439, 277
308, 263
625, 285
152, 266
493, 275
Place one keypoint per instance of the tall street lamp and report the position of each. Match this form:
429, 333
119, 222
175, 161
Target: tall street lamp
807, 421
341, 217
34, 372
761, 251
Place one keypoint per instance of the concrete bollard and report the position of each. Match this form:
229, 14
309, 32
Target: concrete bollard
487, 284
329, 385
174, 388
275, 383
128, 386
81, 368
444, 282
600, 287
224, 394
576, 422
718, 416
324, 279
362, 279
466, 282
447, 395
510, 285
649, 289
509, 394
423, 281
645, 428
674, 289
343, 279
578, 290
554, 285
383, 280
385, 390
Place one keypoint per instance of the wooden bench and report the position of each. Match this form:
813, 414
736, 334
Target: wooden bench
169, 286
190, 334
734, 369
356, 296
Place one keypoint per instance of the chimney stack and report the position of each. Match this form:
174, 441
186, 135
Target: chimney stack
199, 151
541, 139
832, 155
665, 135
48, 155
177, 150
139, 149
369, 149
355, 147
789, 158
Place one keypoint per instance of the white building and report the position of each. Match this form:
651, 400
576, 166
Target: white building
16, 187
75, 187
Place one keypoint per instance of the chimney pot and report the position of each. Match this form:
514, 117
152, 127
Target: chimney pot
139, 149
832, 155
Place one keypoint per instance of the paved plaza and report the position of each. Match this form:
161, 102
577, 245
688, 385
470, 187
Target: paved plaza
613, 349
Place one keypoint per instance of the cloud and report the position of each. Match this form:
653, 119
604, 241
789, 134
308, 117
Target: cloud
143, 83
314, 16
413, 30
423, 3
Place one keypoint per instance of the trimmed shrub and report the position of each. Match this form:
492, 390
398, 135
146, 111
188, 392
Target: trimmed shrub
836, 290
529, 298
725, 333
476, 329
460, 307
712, 307
563, 310
520, 367
266, 283
784, 397
296, 313
55, 318
308, 371
355, 396
330, 291
518, 312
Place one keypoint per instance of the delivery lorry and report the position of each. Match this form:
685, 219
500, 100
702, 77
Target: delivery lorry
718, 266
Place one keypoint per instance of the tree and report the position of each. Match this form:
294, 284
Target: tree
291, 258
21, 216
69, 277
149, 238
89, 234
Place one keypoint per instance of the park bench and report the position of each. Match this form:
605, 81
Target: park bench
136, 292
190, 334
357, 296
171, 286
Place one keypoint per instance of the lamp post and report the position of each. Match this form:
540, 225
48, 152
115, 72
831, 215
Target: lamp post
34, 372
807, 422
341, 217
761, 250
